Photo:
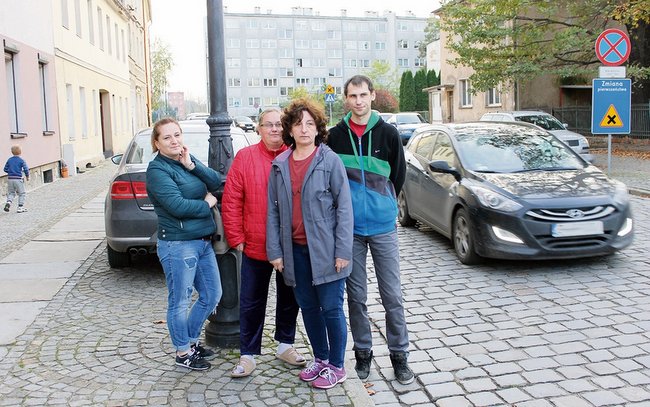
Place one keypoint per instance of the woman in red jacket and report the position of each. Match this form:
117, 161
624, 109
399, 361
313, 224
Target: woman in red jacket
244, 219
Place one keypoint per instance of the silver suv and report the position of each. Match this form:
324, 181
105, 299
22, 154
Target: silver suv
548, 122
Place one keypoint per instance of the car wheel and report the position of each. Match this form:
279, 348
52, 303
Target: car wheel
403, 211
117, 259
463, 238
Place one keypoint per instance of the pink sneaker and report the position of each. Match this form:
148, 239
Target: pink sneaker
310, 373
330, 377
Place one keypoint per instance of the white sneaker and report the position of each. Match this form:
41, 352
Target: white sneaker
21, 209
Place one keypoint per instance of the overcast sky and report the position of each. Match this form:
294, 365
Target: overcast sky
180, 25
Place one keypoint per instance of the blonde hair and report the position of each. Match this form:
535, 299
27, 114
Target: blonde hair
16, 150
155, 133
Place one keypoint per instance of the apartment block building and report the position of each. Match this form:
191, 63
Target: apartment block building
269, 55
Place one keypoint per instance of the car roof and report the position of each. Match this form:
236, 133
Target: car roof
454, 128
517, 113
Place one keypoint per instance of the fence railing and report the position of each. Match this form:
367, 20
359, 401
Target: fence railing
579, 119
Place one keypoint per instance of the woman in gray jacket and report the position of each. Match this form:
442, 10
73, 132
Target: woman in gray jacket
309, 235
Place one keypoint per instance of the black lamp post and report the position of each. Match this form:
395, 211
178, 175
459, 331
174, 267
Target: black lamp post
223, 328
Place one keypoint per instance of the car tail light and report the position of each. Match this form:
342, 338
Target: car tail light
128, 190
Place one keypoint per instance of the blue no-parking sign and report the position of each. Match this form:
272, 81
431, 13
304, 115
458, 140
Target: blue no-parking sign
611, 101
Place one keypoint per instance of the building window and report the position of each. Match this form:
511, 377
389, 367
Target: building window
318, 62
42, 79
401, 26
123, 46
350, 63
403, 62
232, 43
12, 94
299, 62
403, 44
253, 81
234, 82
380, 27
65, 22
270, 82
83, 112
418, 62
117, 43
286, 72
100, 28
465, 93
302, 81
233, 62
254, 101
318, 44
252, 43
266, 43
269, 63
285, 34
334, 72
333, 35
286, 52
364, 44
320, 81
351, 27
251, 23
301, 25
318, 26
91, 23
380, 45
268, 25
493, 97
334, 53
77, 17
350, 44
271, 101
70, 110
364, 63
253, 63
108, 35
302, 44
234, 102
284, 91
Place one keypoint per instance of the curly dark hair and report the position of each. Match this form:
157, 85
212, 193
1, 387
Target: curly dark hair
293, 115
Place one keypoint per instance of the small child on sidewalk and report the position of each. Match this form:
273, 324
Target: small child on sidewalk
15, 167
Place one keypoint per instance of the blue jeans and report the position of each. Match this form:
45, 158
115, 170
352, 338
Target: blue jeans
255, 279
188, 265
384, 249
322, 310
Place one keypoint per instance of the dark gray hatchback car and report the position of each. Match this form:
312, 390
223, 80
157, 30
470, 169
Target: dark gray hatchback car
130, 221
511, 191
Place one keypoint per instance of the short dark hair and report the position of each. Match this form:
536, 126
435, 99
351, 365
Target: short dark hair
358, 80
293, 115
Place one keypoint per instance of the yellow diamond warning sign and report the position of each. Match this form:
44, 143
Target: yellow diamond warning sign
611, 118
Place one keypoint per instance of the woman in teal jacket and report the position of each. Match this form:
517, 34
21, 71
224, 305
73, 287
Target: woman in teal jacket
179, 188
309, 235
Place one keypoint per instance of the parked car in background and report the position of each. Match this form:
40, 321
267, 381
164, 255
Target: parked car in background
511, 191
406, 123
129, 219
385, 116
197, 116
245, 123
577, 142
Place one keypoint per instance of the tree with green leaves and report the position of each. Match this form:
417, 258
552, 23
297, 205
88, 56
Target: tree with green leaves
433, 79
384, 101
383, 76
407, 98
431, 34
512, 40
161, 63
421, 97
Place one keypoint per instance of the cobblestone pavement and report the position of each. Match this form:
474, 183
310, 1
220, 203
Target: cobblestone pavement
525, 334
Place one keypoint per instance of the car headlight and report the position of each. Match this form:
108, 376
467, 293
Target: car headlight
621, 197
494, 200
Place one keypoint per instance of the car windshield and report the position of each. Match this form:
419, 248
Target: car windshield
547, 122
413, 118
494, 150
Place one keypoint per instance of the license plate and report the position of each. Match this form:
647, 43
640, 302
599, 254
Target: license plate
585, 228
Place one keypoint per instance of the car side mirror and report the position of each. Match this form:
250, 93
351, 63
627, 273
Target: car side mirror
566, 125
444, 168
117, 159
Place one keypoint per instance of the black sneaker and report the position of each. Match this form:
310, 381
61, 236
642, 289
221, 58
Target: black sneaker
403, 373
7, 206
204, 353
364, 358
192, 361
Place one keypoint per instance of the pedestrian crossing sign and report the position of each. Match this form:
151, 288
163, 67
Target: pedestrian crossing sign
330, 98
611, 118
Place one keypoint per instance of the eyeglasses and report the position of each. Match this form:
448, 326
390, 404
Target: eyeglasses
272, 125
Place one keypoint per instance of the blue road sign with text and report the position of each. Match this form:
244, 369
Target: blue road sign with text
611, 101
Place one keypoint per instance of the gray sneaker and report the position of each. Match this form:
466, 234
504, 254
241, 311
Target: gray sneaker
21, 209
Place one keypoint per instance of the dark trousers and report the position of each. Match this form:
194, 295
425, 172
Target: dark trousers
255, 279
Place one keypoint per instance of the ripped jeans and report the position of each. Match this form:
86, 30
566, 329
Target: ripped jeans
189, 265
